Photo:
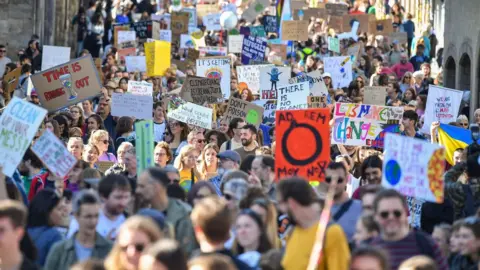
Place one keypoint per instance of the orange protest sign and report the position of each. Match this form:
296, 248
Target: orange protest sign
303, 144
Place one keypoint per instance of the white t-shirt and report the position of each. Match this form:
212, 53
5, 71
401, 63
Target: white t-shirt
234, 145
104, 226
158, 130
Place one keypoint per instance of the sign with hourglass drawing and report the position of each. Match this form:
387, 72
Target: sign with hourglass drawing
67, 84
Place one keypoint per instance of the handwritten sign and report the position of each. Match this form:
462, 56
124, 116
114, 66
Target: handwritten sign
315, 81
293, 96
201, 90
216, 68
363, 19
18, 124
235, 43
363, 124
253, 49
269, 109
157, 57
401, 37
137, 106
414, 167
255, 8
192, 16
317, 101
54, 56
336, 9
295, 30
140, 88
53, 153
240, 108
309, 158
443, 105
271, 78
135, 63
166, 35
10, 82
117, 28
67, 84
180, 23
340, 68
375, 95
143, 29
333, 44
381, 27
250, 75
144, 145
126, 36
270, 23
165, 20
212, 22
193, 114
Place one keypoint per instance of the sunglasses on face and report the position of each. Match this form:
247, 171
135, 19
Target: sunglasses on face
138, 247
4, 51
229, 197
105, 141
386, 214
464, 124
201, 141
329, 179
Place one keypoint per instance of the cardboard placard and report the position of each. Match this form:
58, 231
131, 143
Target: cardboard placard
334, 9
135, 63
253, 114
180, 23
19, 124
116, 29
295, 30
157, 57
98, 65
293, 96
3, 186
53, 153
201, 91
375, 95
317, 102
336, 23
364, 124
363, 19
216, 68
142, 88
297, 4
130, 105
271, 78
307, 13
122, 53
144, 145
205, 9
193, 114
309, 158
193, 55
413, 174
269, 109
253, 48
67, 84
10, 82
103, 166
270, 24
443, 105
250, 75
315, 80
381, 27
235, 43
402, 37
54, 55
164, 21
340, 68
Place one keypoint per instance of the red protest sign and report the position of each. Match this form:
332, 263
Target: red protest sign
302, 144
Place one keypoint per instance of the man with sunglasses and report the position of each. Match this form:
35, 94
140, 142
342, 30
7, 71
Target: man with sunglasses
196, 139
228, 160
4, 60
390, 208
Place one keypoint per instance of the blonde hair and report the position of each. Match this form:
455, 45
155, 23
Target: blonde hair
90, 146
72, 140
178, 164
94, 137
203, 164
135, 223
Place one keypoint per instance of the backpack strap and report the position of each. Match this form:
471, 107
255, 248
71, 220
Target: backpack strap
343, 209
424, 245
468, 208
229, 145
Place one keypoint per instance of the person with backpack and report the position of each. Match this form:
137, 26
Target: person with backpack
396, 238
234, 128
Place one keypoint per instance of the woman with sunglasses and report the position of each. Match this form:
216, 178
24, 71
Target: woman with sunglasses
469, 243
135, 235
407, 81
208, 163
462, 120
101, 140
179, 132
186, 164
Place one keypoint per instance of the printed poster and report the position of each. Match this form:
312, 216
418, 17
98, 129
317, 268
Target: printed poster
53, 153
193, 114
340, 68
293, 96
54, 56
364, 124
315, 80
216, 68
253, 114
250, 75
310, 158
414, 167
271, 78
253, 49
443, 105
138, 106
67, 84
19, 123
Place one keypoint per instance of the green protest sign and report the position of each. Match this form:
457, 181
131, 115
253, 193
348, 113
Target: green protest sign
144, 145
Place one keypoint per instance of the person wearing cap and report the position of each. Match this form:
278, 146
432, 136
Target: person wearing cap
403, 66
34, 97
152, 191
228, 160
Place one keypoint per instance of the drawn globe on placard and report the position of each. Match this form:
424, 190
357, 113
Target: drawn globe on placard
190, 44
214, 73
393, 172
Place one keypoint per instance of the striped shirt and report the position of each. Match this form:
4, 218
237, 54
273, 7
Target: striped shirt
399, 251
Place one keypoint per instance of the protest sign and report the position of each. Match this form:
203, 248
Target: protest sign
164, 20
144, 145
302, 144
280, 50
381, 27
205, 9
364, 124
375, 95
122, 53
296, 4
192, 16
10, 82
212, 51
135, 63
212, 22
143, 29
307, 13
126, 36
293, 96
401, 37
140, 88
53, 153
116, 29
317, 101
253, 48
253, 114
54, 56
250, 74
193, 114
269, 109
186, 41
443, 105
67, 84
256, 31
192, 55
333, 44
336, 9
235, 43
180, 23
255, 8
295, 30
165, 35
336, 23
103, 166
270, 24
340, 68
130, 105
353, 52
200, 90
414, 167
315, 80
271, 78
18, 124
157, 57
363, 19
216, 68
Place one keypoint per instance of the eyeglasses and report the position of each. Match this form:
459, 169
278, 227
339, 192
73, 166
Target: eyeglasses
174, 124
138, 247
75, 112
166, 134
200, 141
105, 141
464, 124
229, 197
328, 179
407, 77
4, 51
386, 214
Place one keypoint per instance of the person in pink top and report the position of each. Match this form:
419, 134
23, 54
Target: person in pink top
404, 66
100, 139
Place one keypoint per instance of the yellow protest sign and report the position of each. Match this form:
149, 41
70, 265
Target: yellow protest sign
157, 56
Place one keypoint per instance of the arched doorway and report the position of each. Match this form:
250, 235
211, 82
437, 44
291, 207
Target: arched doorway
465, 72
450, 74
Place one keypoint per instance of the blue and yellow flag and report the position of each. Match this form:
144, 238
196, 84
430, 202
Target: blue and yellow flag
452, 138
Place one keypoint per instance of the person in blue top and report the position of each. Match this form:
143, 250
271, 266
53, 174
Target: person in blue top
409, 122
419, 58
123, 17
409, 28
